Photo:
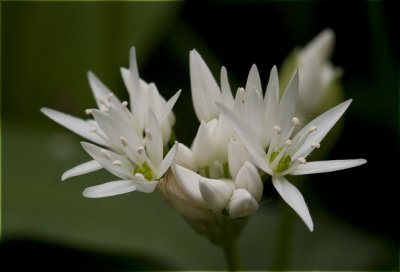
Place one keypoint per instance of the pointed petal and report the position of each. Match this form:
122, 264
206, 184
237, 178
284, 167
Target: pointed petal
292, 196
253, 79
242, 204
100, 91
203, 145
81, 169
324, 123
249, 139
110, 189
167, 108
205, 90
154, 143
81, 127
326, 166
249, 179
216, 193
253, 112
184, 157
287, 106
271, 103
319, 48
237, 156
227, 96
167, 161
188, 181
122, 169
222, 135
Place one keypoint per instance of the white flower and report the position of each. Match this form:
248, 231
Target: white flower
133, 141
317, 85
287, 153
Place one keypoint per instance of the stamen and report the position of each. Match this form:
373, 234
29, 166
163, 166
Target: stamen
109, 97
301, 160
296, 121
148, 134
124, 141
277, 129
117, 163
141, 150
312, 129
315, 145
125, 104
89, 111
101, 101
288, 142
106, 154
242, 93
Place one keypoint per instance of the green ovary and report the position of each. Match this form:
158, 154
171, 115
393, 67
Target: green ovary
283, 164
145, 170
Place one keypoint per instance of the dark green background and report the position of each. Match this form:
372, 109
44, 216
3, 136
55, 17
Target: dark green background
47, 49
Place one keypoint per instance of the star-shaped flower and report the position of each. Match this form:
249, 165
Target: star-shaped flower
132, 141
287, 152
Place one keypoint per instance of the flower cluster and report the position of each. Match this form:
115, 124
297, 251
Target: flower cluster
242, 140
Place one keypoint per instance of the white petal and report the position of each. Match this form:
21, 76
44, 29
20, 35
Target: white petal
216, 170
216, 193
271, 103
110, 189
249, 179
326, 166
167, 108
184, 157
76, 125
81, 169
146, 186
242, 204
253, 79
293, 198
203, 145
324, 123
320, 48
188, 181
249, 139
237, 156
205, 90
100, 91
167, 161
287, 106
222, 135
226, 89
124, 171
253, 112
154, 143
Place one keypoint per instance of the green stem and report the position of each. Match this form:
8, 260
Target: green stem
232, 256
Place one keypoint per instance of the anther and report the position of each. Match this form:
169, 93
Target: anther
101, 100
106, 154
125, 104
312, 129
316, 145
89, 111
93, 129
109, 97
277, 129
296, 121
148, 134
124, 141
117, 163
288, 142
301, 160
104, 110
242, 92
140, 150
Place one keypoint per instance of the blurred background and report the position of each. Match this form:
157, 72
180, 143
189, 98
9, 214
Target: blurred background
46, 50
